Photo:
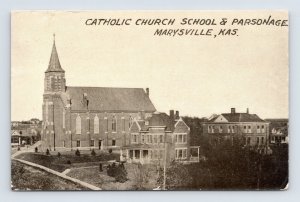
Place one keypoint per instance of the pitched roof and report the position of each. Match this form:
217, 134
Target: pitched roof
109, 99
161, 119
240, 117
157, 120
54, 64
277, 120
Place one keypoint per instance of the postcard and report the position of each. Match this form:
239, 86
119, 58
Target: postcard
149, 100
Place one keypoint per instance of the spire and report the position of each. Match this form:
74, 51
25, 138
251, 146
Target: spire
54, 64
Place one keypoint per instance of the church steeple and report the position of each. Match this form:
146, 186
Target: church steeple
54, 76
54, 64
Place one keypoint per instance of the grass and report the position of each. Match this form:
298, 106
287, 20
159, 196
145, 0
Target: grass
61, 163
25, 177
139, 177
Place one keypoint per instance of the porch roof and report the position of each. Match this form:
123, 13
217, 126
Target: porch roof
137, 146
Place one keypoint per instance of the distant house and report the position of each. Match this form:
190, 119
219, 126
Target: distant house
245, 129
14, 124
25, 132
159, 136
278, 131
15, 138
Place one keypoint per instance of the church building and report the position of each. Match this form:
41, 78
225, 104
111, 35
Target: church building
88, 117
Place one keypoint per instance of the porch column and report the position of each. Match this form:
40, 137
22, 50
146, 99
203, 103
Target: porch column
141, 154
121, 155
133, 154
127, 154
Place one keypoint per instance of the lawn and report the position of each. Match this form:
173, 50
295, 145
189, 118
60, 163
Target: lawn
67, 159
139, 177
25, 177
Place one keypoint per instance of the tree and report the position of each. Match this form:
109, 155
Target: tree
177, 177
77, 152
118, 172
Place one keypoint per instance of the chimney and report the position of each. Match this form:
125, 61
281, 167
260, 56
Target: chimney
177, 115
147, 91
247, 111
172, 117
232, 110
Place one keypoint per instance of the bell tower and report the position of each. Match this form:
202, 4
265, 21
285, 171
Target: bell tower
54, 75
54, 86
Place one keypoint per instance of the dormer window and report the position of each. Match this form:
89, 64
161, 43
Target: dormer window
85, 100
130, 121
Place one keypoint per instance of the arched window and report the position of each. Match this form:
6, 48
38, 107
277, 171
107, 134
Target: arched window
96, 125
46, 111
114, 124
63, 119
78, 124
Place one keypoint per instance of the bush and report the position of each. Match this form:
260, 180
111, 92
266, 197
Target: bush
118, 172
110, 151
47, 152
58, 154
68, 162
93, 153
77, 152
35, 149
143, 175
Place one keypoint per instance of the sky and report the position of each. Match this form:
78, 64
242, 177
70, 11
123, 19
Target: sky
196, 75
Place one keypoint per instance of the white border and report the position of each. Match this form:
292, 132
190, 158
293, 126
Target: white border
291, 195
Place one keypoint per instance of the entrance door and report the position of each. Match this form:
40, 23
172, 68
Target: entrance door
100, 144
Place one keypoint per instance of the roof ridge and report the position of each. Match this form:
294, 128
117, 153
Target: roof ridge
101, 87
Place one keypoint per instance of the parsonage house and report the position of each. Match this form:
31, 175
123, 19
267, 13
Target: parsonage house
155, 138
247, 130
102, 118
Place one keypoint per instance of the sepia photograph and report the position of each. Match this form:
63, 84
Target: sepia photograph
149, 100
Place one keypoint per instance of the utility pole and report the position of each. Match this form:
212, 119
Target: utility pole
53, 128
89, 132
165, 162
88, 122
71, 125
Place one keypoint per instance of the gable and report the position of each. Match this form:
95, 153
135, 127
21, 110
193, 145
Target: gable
221, 119
135, 128
181, 127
